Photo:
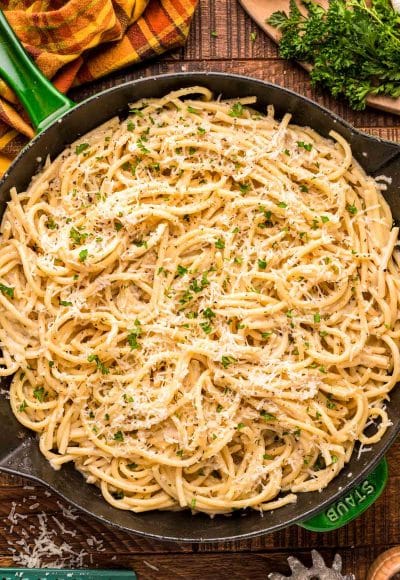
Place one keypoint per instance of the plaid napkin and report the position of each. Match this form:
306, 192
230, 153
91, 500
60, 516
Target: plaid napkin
76, 41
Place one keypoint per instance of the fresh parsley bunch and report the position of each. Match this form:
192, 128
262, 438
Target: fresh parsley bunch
354, 46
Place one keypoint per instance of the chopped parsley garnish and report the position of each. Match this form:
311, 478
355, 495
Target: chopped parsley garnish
266, 335
208, 313
118, 226
201, 130
227, 360
306, 146
137, 112
77, 236
83, 254
236, 110
214, 33
179, 452
128, 166
244, 187
130, 126
140, 243
220, 244
196, 286
186, 297
134, 335
240, 426
22, 407
262, 264
140, 145
268, 456
253, 36
329, 403
65, 303
192, 315
289, 313
219, 408
324, 219
81, 148
206, 326
100, 366
193, 503
118, 436
192, 110
317, 317
7, 290
39, 393
181, 271
351, 208
268, 416
304, 188
319, 464
51, 224
334, 458
282, 204
192, 150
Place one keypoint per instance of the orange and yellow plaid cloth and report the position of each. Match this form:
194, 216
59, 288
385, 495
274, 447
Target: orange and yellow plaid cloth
76, 41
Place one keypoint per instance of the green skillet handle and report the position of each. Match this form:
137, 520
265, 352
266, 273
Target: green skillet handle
351, 505
42, 101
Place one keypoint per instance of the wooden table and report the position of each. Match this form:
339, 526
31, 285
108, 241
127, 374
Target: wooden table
232, 49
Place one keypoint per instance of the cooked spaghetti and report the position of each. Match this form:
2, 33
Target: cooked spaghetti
199, 305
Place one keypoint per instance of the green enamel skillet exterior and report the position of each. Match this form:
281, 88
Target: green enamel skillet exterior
59, 122
41, 100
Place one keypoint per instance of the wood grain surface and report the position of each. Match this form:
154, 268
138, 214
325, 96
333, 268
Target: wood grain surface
233, 49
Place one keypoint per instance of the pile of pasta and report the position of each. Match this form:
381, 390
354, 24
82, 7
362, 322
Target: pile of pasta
199, 306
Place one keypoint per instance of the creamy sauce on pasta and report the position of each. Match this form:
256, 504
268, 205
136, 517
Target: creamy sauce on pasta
199, 305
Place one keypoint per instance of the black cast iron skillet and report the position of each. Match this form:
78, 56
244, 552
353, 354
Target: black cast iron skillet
19, 452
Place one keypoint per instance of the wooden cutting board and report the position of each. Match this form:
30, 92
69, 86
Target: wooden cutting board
261, 10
